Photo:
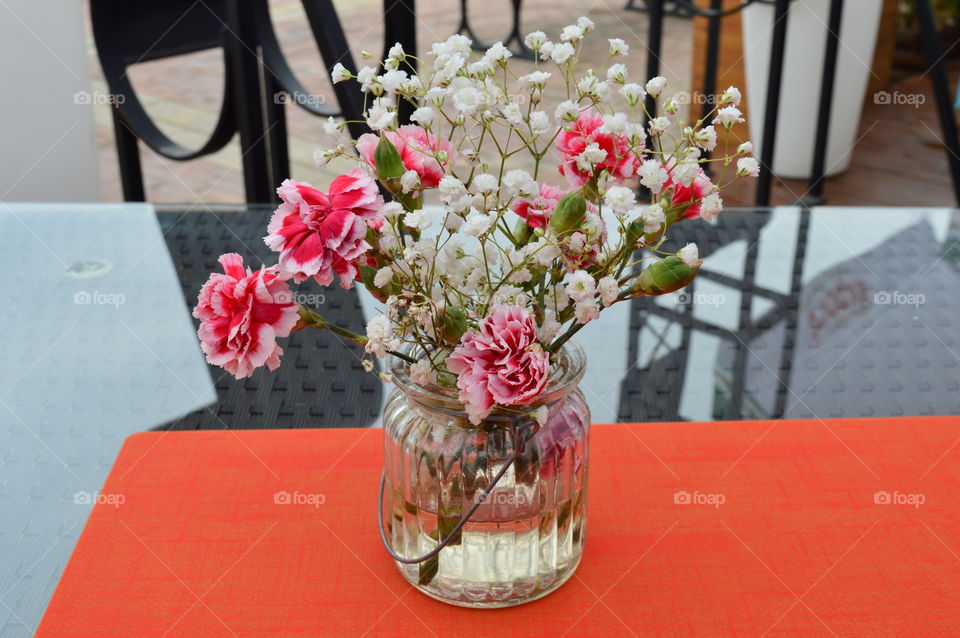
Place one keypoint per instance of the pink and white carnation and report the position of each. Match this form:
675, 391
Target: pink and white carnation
537, 210
586, 140
242, 313
321, 234
418, 150
691, 195
501, 363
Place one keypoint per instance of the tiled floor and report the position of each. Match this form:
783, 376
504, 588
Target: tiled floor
898, 159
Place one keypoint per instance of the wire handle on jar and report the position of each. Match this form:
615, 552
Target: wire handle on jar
524, 429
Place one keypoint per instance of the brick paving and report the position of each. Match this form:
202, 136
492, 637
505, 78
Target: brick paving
183, 95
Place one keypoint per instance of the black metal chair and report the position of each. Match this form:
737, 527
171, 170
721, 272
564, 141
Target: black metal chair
255, 75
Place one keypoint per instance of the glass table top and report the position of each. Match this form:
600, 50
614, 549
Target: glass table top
834, 312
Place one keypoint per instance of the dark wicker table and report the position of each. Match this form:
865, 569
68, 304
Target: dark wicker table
831, 313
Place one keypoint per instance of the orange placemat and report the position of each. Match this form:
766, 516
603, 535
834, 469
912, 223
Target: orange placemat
748, 528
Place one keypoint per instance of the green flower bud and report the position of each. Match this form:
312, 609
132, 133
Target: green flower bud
387, 159
667, 275
521, 232
453, 323
569, 213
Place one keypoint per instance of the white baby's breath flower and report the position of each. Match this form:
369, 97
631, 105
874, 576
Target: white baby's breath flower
422, 373
653, 217
539, 122
436, 96
339, 73
392, 80
567, 111
467, 100
451, 188
381, 115
572, 33
484, 183
618, 47
388, 244
585, 23
689, 255
536, 79
423, 116
615, 124
748, 166
410, 182
418, 220
672, 106
383, 277
710, 207
745, 149
477, 224
498, 53
513, 113
706, 138
366, 77
550, 327
633, 93
653, 175
609, 289
731, 96
658, 126
380, 337
590, 157
655, 86
586, 311
535, 39
562, 52
581, 286
332, 128
685, 172
620, 199
617, 73
728, 116
391, 211
519, 182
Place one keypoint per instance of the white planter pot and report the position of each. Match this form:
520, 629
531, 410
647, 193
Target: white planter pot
802, 76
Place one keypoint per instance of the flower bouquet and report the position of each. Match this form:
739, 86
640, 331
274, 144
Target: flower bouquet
486, 432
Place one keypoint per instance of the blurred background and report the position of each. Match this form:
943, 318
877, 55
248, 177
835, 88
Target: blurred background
57, 118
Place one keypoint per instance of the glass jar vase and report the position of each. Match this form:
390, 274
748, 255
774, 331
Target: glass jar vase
521, 486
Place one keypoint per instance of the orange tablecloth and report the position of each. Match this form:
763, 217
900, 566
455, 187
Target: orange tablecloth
187, 539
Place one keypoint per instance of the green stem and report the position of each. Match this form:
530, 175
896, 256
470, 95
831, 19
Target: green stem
312, 319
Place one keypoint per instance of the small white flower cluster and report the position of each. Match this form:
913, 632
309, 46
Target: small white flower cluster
505, 236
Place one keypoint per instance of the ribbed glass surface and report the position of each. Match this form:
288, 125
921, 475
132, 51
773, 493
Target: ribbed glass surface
527, 536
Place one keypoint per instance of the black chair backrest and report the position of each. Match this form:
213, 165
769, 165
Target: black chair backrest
255, 74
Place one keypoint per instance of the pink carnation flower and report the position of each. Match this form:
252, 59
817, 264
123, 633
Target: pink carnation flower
417, 149
501, 363
619, 162
241, 315
318, 234
698, 189
537, 210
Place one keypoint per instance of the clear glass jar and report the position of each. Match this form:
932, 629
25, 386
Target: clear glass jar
526, 537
